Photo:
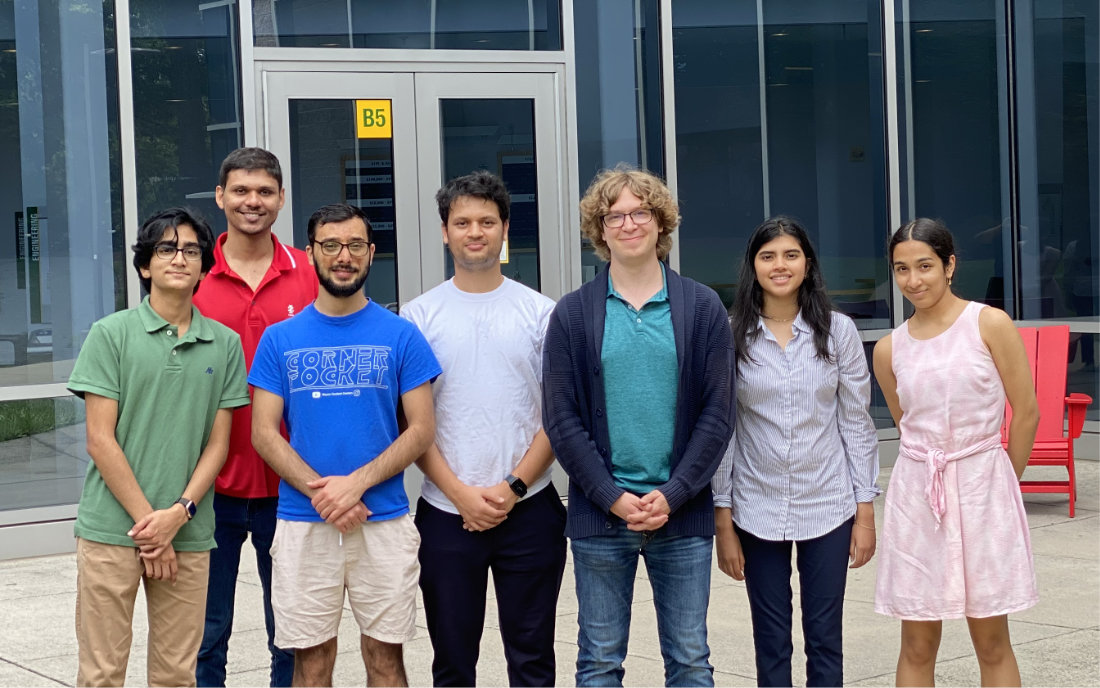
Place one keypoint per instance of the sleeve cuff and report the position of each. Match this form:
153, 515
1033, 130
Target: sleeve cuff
674, 494
606, 494
867, 494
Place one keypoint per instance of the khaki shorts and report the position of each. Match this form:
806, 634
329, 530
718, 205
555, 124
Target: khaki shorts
312, 565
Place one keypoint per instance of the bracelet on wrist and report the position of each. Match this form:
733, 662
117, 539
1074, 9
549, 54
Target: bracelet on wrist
861, 525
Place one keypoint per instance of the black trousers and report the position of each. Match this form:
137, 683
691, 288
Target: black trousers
823, 573
526, 554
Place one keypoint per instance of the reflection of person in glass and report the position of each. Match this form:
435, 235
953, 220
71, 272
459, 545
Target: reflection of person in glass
955, 541
487, 503
336, 373
159, 383
637, 402
1081, 292
256, 281
802, 465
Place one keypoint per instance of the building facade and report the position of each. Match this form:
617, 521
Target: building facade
852, 115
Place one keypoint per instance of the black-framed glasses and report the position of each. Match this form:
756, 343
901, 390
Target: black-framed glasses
190, 252
357, 248
616, 220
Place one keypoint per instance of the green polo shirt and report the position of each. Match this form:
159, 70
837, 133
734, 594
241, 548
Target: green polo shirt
641, 377
168, 390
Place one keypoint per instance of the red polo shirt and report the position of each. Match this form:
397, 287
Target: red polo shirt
289, 286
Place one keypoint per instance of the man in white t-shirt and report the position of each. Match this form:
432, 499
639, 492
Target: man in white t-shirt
487, 502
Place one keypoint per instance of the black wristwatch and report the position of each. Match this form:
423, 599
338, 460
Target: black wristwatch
517, 485
188, 506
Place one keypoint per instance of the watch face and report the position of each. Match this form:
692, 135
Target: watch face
518, 486
189, 506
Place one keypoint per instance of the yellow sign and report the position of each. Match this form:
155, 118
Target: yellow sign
373, 120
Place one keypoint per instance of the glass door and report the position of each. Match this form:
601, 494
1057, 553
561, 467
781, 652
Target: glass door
351, 138
386, 142
504, 123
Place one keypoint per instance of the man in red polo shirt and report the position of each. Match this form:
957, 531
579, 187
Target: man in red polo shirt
256, 281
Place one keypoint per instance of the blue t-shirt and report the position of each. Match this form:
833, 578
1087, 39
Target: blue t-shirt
341, 379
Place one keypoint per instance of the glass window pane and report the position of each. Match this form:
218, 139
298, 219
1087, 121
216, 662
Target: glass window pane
187, 114
1058, 87
880, 412
411, 24
618, 50
782, 114
42, 452
498, 135
330, 164
1082, 374
62, 260
953, 116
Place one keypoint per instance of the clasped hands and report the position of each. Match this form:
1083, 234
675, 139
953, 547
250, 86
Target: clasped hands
482, 508
648, 512
339, 500
152, 535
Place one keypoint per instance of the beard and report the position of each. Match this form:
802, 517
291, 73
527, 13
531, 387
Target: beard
341, 291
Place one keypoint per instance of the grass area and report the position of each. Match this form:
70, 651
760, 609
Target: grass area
32, 416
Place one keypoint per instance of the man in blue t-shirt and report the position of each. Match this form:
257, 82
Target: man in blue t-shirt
335, 374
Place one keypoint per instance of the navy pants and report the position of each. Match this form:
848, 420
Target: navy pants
234, 519
823, 572
526, 554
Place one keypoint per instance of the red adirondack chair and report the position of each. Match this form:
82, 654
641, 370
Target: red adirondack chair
1047, 349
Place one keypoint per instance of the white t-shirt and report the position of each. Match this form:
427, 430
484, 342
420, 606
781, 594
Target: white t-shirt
488, 401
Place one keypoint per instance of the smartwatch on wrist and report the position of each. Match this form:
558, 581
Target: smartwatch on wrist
188, 506
517, 485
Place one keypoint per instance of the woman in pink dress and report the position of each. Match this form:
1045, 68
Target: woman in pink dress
955, 539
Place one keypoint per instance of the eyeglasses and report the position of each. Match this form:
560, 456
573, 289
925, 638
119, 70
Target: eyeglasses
357, 248
616, 220
169, 251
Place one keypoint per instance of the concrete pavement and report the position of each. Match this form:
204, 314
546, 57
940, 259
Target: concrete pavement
1057, 642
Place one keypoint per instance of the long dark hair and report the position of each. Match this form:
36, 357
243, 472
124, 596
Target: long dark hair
813, 301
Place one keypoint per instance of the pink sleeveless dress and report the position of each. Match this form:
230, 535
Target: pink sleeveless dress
955, 538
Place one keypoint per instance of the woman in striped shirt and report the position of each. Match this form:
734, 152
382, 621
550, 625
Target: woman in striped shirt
802, 464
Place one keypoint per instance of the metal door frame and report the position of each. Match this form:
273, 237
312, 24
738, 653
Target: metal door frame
417, 87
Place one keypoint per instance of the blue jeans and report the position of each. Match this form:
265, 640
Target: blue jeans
234, 519
679, 574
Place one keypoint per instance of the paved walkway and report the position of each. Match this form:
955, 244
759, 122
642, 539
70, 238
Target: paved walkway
1057, 642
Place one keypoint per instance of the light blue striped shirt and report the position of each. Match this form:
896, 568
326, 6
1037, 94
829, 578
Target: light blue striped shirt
804, 449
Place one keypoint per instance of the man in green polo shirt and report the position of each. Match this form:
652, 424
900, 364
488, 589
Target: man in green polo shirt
159, 382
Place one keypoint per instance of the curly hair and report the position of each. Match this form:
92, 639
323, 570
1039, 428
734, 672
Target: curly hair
604, 191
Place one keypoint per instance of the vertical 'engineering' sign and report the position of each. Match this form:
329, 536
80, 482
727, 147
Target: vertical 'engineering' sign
373, 120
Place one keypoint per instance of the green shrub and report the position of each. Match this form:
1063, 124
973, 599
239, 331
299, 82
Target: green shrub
32, 416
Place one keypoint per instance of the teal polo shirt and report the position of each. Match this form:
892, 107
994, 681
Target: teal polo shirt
641, 377
168, 390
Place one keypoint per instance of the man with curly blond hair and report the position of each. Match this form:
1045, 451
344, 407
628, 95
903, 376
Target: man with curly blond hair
638, 406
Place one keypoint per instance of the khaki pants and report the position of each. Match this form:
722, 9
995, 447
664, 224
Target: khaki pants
107, 579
